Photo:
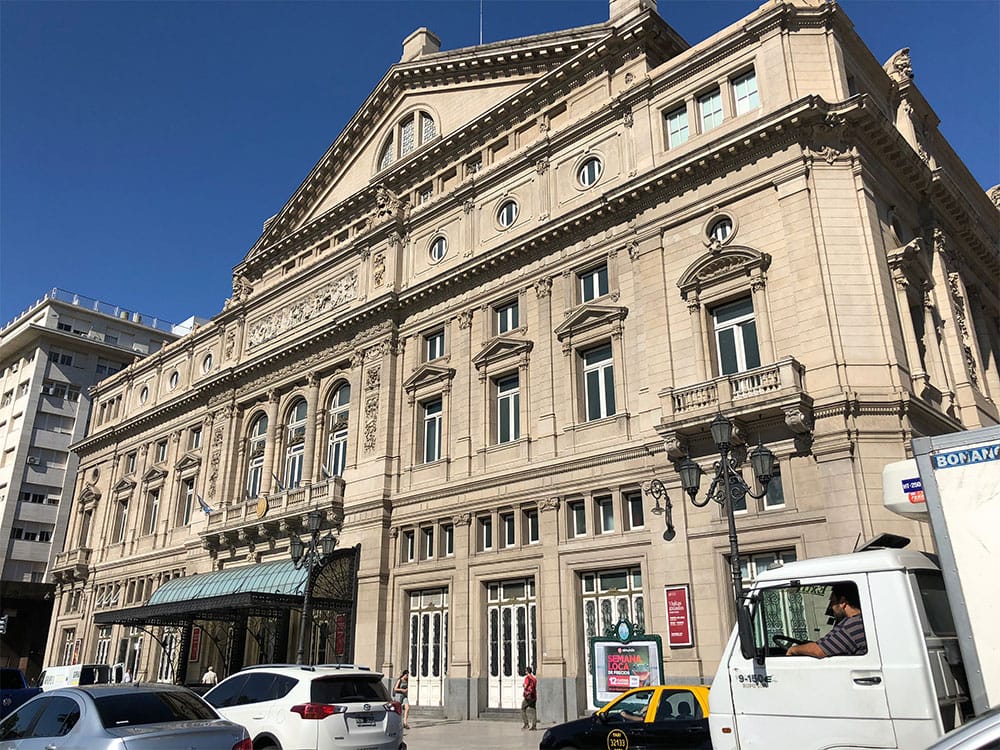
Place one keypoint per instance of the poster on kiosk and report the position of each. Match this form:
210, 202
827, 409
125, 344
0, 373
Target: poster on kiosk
623, 659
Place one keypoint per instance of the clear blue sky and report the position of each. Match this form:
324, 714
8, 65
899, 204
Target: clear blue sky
156, 137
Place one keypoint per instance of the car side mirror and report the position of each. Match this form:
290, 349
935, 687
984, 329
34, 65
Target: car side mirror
601, 716
744, 626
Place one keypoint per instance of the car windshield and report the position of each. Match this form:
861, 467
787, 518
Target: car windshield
130, 709
348, 688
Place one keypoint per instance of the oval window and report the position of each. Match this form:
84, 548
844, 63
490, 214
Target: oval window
175, 378
507, 214
439, 248
721, 229
590, 171
206, 364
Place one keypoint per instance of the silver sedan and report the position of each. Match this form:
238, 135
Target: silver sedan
120, 717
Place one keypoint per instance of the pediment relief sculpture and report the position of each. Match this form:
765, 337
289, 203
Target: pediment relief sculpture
588, 316
90, 495
717, 267
501, 348
303, 310
428, 374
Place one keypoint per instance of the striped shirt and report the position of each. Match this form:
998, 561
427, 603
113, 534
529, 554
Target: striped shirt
846, 639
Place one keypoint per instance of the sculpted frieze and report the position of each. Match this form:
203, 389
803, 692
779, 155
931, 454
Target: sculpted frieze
303, 310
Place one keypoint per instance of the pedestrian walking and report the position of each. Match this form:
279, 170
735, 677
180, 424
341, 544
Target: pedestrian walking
400, 692
210, 677
529, 713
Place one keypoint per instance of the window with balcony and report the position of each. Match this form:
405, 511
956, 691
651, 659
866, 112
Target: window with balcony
736, 337
296, 442
340, 407
256, 442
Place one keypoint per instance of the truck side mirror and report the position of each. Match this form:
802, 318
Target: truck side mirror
744, 626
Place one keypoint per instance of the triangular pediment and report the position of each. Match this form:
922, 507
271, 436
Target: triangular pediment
472, 93
428, 374
589, 316
123, 486
154, 474
501, 348
188, 461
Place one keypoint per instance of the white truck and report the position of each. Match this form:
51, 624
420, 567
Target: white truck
931, 622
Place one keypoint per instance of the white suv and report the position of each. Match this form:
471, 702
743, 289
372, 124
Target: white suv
289, 707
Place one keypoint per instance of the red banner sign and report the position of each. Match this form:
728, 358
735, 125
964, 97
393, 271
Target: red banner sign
195, 644
679, 632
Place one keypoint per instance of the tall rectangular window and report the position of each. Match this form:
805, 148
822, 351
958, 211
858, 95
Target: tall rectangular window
485, 533
195, 441
508, 409
427, 535
507, 522
507, 317
187, 501
606, 511
434, 345
448, 542
594, 283
531, 526
121, 521
710, 110
577, 519
736, 337
634, 512
130, 460
599, 383
432, 431
161, 451
677, 126
152, 511
745, 93
775, 497
408, 551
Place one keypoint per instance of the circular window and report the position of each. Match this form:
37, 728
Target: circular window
721, 229
590, 171
143, 395
507, 214
439, 248
206, 364
175, 378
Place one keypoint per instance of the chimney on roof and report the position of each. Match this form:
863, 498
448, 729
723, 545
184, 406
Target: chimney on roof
421, 42
621, 9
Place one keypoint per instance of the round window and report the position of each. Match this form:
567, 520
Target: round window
507, 214
439, 248
143, 395
175, 378
721, 229
590, 171
206, 364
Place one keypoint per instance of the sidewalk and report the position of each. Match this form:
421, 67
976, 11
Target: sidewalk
442, 734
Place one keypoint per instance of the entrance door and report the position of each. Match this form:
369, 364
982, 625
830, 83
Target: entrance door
428, 645
608, 596
511, 622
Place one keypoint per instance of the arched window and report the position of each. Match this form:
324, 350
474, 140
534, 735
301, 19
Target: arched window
336, 457
406, 136
296, 444
255, 455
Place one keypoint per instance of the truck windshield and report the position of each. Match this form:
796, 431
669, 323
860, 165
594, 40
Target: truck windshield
793, 614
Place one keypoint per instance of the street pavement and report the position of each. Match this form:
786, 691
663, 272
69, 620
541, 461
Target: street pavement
481, 734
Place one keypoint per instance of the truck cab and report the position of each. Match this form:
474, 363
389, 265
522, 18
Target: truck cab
904, 691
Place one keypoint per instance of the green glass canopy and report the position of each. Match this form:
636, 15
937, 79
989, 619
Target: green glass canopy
268, 578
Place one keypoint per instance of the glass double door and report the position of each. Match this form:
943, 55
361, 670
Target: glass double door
511, 622
428, 646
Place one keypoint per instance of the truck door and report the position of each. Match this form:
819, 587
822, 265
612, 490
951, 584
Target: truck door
801, 701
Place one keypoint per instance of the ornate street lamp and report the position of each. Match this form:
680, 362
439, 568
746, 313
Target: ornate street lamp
310, 554
728, 488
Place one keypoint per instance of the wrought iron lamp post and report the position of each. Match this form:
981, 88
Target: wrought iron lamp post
728, 487
310, 554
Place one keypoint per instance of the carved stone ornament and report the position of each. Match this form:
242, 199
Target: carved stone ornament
373, 378
543, 287
542, 165
899, 67
378, 269
628, 119
994, 194
629, 78
468, 206
633, 250
388, 207
462, 519
549, 503
962, 324
371, 422
301, 311
799, 420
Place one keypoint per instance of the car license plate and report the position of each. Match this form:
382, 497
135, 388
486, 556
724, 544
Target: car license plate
365, 720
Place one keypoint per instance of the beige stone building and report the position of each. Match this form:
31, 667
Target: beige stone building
518, 286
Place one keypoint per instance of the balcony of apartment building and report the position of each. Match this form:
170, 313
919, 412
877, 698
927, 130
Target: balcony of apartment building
71, 565
258, 522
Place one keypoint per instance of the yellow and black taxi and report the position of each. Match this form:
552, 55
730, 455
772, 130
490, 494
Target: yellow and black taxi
645, 718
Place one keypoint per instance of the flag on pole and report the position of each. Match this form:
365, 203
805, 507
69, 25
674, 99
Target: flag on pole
205, 507
281, 487
326, 474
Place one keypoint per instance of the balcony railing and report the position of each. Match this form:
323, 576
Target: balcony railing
727, 392
72, 564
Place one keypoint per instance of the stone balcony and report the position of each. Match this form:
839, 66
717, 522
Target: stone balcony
273, 516
765, 394
72, 565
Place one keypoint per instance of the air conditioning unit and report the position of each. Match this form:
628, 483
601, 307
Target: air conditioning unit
33, 460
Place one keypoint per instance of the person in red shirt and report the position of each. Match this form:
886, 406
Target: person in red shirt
529, 715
